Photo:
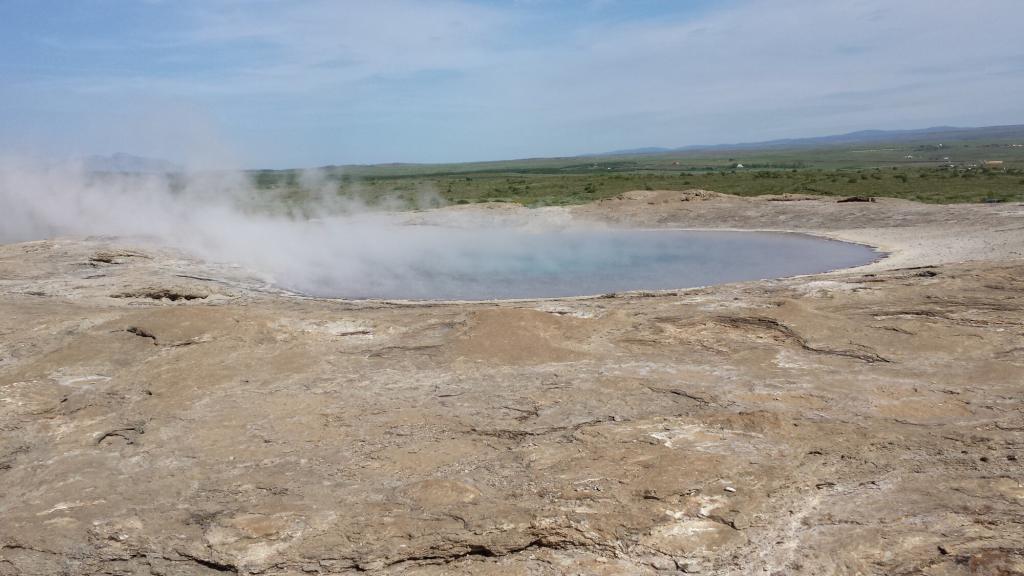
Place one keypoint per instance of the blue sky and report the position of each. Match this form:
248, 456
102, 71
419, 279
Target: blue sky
290, 83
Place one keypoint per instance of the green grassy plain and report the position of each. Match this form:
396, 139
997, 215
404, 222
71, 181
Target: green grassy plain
915, 170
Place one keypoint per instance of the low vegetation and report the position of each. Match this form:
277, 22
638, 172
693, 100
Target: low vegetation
922, 171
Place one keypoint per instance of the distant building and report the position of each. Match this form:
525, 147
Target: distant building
993, 164
739, 165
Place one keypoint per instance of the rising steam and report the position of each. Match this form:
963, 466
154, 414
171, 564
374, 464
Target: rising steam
327, 245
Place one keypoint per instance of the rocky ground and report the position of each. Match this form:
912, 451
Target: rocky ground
160, 415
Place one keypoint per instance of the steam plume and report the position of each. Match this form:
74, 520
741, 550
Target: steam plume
325, 245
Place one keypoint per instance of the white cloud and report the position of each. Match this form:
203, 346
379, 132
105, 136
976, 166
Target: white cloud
366, 38
766, 69
407, 80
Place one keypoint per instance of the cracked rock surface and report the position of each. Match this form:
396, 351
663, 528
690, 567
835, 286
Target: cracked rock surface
164, 416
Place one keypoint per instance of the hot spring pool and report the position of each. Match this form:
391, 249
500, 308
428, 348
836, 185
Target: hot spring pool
452, 264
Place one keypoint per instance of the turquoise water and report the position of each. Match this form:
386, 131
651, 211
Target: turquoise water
477, 265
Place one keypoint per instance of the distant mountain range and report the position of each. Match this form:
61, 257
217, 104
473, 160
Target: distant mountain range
128, 163
935, 134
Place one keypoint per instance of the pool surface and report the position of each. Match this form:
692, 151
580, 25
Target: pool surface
455, 264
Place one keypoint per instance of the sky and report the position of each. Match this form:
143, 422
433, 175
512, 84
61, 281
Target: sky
303, 83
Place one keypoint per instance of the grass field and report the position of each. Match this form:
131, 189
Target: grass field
926, 171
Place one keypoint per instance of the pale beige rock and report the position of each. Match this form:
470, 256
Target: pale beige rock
160, 415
